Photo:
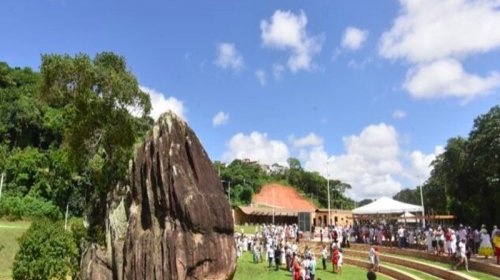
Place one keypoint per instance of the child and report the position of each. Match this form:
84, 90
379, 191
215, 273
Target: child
373, 256
340, 261
461, 256
335, 258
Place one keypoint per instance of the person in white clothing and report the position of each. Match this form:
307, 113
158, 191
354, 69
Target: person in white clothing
270, 256
462, 256
339, 262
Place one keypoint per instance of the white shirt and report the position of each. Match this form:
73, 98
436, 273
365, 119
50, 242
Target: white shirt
270, 253
461, 249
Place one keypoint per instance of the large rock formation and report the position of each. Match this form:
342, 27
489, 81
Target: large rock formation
175, 222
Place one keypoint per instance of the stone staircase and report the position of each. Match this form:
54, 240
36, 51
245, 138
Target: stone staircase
400, 263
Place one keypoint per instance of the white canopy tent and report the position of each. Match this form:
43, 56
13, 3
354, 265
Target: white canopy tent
385, 205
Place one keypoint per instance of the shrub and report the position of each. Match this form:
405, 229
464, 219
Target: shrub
15, 207
46, 251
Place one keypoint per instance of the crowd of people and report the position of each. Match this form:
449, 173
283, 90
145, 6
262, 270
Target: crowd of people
460, 243
278, 244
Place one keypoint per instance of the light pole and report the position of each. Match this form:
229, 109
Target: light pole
274, 206
422, 202
328, 188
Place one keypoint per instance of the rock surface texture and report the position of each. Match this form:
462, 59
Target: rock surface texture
178, 220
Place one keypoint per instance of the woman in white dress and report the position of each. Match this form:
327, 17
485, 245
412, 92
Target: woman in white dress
485, 249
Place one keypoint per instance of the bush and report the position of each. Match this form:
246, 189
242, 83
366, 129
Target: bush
15, 207
46, 251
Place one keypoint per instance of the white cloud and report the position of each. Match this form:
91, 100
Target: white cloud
447, 77
420, 164
370, 162
399, 114
228, 57
354, 38
160, 104
427, 30
220, 118
277, 71
287, 31
261, 77
256, 146
435, 36
310, 140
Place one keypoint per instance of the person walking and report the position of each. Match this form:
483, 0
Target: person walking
485, 249
462, 256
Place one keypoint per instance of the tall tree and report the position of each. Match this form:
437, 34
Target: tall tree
95, 96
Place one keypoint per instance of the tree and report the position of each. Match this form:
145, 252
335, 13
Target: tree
365, 202
95, 96
408, 196
46, 251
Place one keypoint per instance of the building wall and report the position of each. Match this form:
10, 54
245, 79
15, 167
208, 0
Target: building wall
339, 217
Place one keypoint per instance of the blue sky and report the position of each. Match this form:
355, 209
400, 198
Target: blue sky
365, 91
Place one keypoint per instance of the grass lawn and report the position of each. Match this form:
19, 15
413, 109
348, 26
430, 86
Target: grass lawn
247, 270
9, 233
247, 229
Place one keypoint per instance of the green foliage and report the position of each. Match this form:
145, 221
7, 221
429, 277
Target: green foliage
364, 202
247, 177
46, 251
465, 180
15, 208
66, 134
95, 96
408, 196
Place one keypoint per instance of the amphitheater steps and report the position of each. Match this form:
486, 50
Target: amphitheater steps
487, 268
384, 269
414, 264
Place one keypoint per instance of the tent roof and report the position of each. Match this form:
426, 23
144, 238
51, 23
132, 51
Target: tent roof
385, 205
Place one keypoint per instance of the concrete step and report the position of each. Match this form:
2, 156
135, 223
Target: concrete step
414, 264
384, 269
487, 268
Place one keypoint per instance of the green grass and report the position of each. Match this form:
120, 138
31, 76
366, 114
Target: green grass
247, 229
247, 270
9, 233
